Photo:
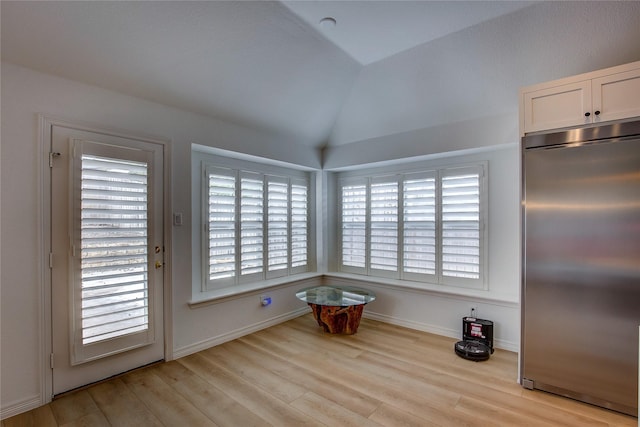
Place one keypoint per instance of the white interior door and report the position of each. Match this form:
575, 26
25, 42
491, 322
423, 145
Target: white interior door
107, 256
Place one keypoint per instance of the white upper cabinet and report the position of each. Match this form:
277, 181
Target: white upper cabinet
605, 95
616, 96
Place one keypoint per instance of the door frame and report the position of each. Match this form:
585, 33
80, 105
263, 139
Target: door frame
45, 132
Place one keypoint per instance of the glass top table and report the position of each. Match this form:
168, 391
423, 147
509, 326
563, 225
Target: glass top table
337, 309
335, 296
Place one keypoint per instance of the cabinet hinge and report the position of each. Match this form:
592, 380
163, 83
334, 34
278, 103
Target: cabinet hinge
51, 360
50, 259
51, 157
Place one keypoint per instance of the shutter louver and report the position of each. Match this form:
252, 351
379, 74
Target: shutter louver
384, 226
278, 225
251, 225
461, 225
419, 202
299, 217
354, 205
113, 246
222, 229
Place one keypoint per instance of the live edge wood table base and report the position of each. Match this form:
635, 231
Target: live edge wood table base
337, 310
338, 320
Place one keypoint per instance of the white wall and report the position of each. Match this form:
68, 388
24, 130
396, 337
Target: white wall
26, 93
473, 75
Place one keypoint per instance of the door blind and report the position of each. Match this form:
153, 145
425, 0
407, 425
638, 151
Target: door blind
461, 225
113, 246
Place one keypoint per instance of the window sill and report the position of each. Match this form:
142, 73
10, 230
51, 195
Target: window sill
422, 287
240, 291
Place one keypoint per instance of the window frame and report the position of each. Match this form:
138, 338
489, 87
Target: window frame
402, 174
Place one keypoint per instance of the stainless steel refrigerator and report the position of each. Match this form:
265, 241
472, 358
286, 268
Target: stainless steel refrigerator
581, 264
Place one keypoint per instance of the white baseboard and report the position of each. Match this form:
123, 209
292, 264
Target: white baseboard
433, 329
21, 406
237, 333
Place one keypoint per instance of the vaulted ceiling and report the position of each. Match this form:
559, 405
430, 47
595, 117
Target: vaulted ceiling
263, 64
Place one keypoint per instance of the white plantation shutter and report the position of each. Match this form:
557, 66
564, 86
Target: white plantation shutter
461, 223
354, 214
277, 225
299, 223
251, 224
114, 262
221, 224
419, 225
384, 225
257, 225
111, 227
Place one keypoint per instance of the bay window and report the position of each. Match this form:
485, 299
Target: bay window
425, 226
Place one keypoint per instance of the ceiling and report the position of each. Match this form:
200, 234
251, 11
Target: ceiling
267, 65
370, 31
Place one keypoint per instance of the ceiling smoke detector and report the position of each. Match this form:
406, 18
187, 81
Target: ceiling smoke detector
328, 23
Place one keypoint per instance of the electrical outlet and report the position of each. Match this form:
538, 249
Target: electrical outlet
473, 310
265, 300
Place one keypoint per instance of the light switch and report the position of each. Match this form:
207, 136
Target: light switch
177, 218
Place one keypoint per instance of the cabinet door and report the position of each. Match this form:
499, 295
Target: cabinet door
616, 96
557, 107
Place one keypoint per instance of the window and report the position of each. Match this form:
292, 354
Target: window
256, 223
421, 226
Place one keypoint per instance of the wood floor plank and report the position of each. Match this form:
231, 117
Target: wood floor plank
295, 374
73, 406
318, 381
254, 372
166, 405
93, 419
215, 404
426, 405
496, 415
390, 416
509, 401
611, 418
317, 342
121, 406
272, 409
329, 412
39, 417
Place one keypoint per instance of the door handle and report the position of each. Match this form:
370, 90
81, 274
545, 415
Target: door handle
158, 265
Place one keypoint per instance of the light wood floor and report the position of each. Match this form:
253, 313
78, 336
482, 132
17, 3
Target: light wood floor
294, 374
